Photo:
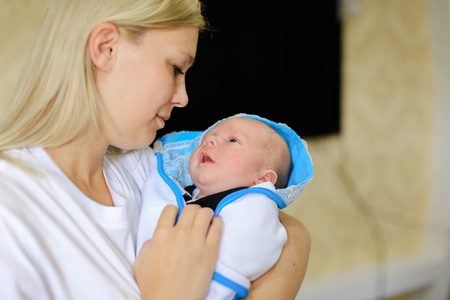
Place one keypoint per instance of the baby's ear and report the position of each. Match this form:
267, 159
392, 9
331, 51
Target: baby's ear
268, 175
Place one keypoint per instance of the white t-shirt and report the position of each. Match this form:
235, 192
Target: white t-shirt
56, 243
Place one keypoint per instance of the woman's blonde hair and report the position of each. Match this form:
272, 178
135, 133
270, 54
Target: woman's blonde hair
56, 98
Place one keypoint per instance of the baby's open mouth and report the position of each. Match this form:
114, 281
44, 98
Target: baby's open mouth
205, 158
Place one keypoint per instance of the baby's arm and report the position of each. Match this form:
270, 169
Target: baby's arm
284, 279
251, 244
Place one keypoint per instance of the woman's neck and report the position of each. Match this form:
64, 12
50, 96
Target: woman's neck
82, 161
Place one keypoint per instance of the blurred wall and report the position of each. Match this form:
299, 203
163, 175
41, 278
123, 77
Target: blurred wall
368, 200
19, 22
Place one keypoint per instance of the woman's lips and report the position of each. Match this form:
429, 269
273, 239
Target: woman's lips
163, 120
164, 117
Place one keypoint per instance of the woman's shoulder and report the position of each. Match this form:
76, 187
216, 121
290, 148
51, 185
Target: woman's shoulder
22, 174
20, 159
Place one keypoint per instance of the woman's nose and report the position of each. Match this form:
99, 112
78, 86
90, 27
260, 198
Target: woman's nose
180, 98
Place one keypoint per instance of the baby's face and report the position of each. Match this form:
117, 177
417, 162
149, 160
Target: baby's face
230, 156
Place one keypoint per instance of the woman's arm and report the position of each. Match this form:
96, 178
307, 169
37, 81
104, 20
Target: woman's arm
284, 279
179, 261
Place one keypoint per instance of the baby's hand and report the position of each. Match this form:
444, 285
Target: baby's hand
179, 262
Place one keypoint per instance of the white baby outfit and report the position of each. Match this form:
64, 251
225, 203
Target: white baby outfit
253, 236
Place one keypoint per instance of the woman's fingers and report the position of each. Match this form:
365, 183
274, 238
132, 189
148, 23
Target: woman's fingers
200, 225
215, 233
188, 216
203, 228
168, 217
183, 255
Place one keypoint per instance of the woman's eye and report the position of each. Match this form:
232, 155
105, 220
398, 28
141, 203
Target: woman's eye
234, 141
177, 71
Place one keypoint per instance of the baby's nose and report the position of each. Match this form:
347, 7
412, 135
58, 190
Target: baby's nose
209, 141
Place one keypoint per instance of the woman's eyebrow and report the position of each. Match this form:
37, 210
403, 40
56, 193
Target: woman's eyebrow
190, 60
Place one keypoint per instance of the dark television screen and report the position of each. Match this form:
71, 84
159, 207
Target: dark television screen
277, 59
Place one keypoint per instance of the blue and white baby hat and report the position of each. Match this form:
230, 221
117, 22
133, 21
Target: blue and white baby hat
177, 148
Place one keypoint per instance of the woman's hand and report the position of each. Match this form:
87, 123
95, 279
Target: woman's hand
179, 262
284, 279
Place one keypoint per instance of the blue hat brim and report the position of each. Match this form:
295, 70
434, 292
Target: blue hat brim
177, 148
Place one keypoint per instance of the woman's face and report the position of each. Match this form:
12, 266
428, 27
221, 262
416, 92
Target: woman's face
146, 82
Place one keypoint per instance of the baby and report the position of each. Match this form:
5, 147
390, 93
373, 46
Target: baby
245, 168
237, 153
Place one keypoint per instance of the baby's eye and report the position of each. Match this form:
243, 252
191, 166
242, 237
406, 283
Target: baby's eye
232, 140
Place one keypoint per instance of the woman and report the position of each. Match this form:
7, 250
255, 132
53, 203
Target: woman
102, 78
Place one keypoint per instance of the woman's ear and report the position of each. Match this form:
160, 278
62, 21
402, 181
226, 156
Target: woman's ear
103, 44
268, 175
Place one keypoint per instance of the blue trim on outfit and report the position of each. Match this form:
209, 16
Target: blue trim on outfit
241, 291
171, 183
